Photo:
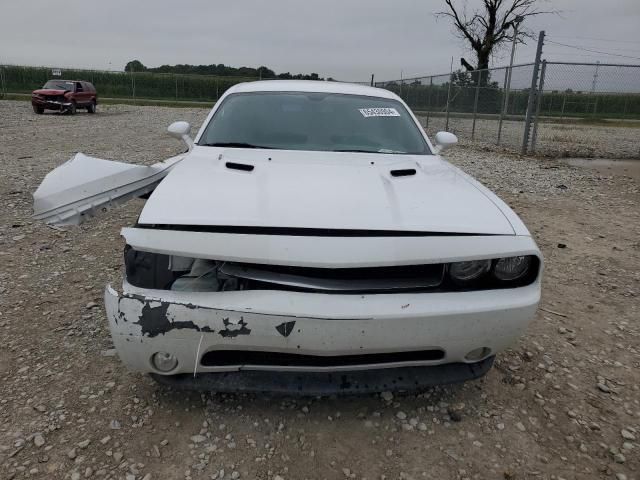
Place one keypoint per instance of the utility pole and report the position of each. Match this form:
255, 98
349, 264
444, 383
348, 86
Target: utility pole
533, 93
534, 136
372, 84
446, 123
507, 79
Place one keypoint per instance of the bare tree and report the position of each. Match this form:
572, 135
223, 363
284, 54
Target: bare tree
488, 27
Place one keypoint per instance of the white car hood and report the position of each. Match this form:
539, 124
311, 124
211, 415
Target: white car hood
320, 190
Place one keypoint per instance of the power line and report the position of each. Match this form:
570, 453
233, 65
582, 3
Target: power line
597, 39
593, 51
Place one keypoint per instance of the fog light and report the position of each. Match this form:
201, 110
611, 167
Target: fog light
164, 362
477, 354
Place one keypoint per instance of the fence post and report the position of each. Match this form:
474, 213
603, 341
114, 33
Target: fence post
505, 100
372, 80
2, 87
446, 123
429, 101
475, 105
133, 87
176, 87
534, 136
532, 94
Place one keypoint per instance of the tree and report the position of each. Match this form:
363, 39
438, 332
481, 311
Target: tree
264, 72
219, 70
134, 66
490, 26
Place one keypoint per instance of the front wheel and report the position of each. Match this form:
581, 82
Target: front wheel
38, 110
72, 108
92, 107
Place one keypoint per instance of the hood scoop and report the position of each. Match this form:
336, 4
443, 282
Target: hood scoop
405, 172
243, 167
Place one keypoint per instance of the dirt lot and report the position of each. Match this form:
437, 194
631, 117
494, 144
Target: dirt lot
564, 402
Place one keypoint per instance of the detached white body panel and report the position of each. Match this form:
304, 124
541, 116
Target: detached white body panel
261, 259
83, 186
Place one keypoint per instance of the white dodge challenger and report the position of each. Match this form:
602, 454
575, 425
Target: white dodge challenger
311, 239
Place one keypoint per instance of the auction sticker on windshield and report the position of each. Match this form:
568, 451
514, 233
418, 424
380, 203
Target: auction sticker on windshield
379, 112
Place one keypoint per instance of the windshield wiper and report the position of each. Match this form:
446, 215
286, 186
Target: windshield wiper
382, 150
233, 145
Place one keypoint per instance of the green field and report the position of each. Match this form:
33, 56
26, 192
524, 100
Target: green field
199, 88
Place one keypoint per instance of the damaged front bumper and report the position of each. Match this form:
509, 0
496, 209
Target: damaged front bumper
49, 104
335, 340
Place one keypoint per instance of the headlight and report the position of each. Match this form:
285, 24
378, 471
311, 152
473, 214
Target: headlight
511, 268
464, 272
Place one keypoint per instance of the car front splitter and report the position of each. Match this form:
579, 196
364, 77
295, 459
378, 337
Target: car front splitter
409, 379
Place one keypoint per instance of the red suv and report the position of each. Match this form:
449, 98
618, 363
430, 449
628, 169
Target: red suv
65, 96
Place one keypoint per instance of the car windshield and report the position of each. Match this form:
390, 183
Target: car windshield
314, 121
59, 85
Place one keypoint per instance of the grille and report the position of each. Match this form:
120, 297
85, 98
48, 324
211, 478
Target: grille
221, 358
356, 280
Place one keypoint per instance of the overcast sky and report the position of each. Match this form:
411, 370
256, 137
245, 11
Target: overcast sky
345, 39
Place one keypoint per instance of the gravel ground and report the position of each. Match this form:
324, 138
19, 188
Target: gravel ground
563, 403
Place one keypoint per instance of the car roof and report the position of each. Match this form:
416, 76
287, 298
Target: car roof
63, 80
310, 86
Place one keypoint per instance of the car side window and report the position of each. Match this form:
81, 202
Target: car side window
78, 87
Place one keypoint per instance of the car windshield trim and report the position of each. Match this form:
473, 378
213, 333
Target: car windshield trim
291, 120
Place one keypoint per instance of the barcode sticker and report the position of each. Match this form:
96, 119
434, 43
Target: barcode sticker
379, 112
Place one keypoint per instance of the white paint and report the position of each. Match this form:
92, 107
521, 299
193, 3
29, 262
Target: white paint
325, 324
84, 185
300, 189
445, 140
329, 252
180, 130
337, 190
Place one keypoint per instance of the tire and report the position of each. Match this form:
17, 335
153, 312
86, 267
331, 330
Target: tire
38, 110
92, 107
72, 108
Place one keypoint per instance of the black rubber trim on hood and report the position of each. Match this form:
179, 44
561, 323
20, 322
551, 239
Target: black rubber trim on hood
306, 232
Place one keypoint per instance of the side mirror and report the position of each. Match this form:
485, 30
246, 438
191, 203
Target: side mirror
181, 131
445, 140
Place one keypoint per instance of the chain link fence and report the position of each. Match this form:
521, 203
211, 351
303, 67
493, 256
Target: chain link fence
592, 90
490, 106
475, 105
122, 85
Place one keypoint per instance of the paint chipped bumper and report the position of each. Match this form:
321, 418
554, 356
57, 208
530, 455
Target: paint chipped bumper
368, 331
